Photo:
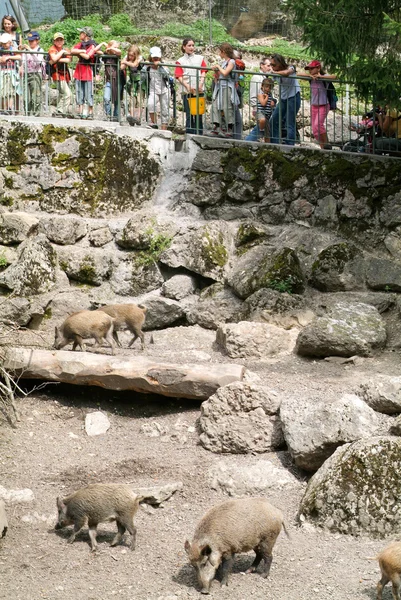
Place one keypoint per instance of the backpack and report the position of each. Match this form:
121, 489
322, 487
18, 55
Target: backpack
331, 95
48, 66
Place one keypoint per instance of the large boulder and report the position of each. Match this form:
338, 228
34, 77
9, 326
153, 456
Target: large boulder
313, 430
178, 287
383, 274
217, 304
258, 478
63, 230
203, 250
132, 277
35, 272
255, 340
346, 330
266, 267
338, 268
16, 226
21, 311
162, 312
357, 489
266, 302
143, 232
383, 394
241, 418
85, 265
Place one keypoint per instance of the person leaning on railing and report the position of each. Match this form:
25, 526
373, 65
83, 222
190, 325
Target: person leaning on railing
320, 105
254, 89
86, 50
131, 66
285, 114
156, 78
112, 88
391, 128
192, 82
9, 75
34, 71
9, 25
225, 97
60, 58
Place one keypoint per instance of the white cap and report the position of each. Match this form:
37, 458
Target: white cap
5, 38
155, 52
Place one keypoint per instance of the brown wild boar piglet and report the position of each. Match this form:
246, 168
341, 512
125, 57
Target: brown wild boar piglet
390, 566
127, 316
98, 503
234, 526
83, 325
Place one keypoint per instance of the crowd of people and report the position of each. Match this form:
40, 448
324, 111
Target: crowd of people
274, 92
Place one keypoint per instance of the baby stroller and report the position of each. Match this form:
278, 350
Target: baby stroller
366, 129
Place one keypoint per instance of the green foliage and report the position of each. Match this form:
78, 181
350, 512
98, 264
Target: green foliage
358, 39
121, 25
3, 260
158, 243
69, 28
284, 286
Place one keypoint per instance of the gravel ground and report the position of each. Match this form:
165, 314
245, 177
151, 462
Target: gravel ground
51, 454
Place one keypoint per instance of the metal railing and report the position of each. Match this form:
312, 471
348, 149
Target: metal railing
227, 108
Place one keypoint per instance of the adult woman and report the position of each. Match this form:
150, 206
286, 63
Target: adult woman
9, 25
320, 105
285, 113
192, 82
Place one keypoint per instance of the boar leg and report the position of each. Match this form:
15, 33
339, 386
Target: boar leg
137, 334
119, 536
396, 586
226, 568
78, 341
255, 564
128, 524
92, 534
77, 528
115, 336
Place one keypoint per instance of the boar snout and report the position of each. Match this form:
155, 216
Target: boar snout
206, 563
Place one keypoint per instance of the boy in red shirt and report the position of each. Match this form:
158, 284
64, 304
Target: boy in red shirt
86, 49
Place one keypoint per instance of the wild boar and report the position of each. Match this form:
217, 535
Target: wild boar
127, 316
98, 503
83, 325
3, 520
390, 566
230, 527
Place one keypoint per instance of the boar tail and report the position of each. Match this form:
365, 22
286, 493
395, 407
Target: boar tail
143, 308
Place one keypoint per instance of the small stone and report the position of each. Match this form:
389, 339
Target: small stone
96, 423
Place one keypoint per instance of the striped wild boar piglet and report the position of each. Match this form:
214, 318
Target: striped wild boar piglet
98, 503
234, 526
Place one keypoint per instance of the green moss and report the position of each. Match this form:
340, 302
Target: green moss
214, 252
64, 265
87, 271
3, 261
61, 159
9, 182
283, 274
48, 313
159, 242
51, 134
13, 168
16, 144
6, 200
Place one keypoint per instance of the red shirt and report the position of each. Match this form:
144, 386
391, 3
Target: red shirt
60, 70
179, 71
83, 70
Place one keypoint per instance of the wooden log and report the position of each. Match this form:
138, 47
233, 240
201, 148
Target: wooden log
122, 372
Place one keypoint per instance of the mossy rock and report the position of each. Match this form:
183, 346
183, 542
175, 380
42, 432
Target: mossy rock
356, 490
331, 270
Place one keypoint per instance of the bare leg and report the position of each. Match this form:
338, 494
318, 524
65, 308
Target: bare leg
226, 568
119, 536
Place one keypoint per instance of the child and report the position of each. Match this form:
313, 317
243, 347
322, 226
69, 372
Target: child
9, 76
264, 107
157, 78
112, 87
192, 82
131, 65
59, 60
225, 97
34, 69
83, 74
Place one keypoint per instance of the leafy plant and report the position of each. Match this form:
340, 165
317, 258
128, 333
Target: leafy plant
283, 286
158, 243
3, 260
121, 24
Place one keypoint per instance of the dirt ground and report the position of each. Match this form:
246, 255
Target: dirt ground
51, 454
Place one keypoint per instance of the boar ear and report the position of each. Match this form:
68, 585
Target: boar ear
206, 550
60, 503
187, 546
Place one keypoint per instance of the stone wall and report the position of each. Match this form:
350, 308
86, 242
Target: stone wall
205, 232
